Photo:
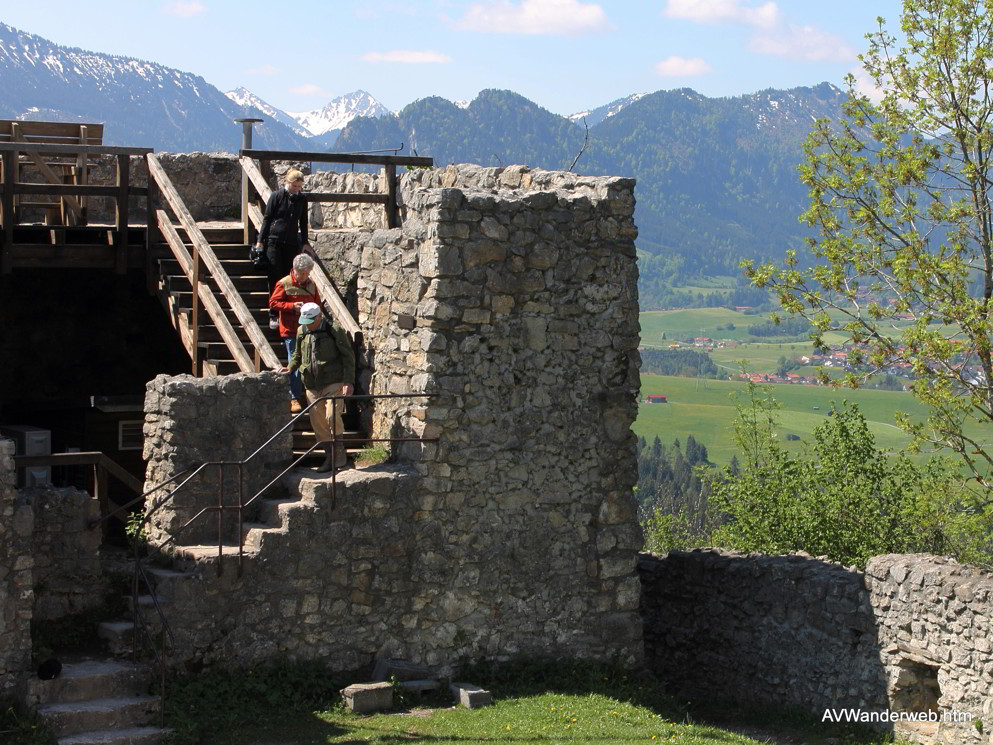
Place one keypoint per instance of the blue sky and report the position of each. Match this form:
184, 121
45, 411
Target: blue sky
566, 55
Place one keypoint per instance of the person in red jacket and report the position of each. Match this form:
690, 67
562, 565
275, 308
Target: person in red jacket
288, 295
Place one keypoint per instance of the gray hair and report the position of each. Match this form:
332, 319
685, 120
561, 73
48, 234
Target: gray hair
303, 263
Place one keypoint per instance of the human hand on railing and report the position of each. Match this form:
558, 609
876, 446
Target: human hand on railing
284, 369
347, 389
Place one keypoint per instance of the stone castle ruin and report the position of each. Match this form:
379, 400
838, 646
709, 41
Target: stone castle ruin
502, 317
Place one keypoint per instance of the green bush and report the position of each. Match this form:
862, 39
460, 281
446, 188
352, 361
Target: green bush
846, 500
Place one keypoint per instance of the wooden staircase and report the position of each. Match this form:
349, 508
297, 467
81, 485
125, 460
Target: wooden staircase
175, 292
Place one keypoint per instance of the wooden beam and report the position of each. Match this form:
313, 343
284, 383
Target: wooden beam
350, 158
67, 130
391, 193
71, 148
88, 190
51, 176
213, 308
69, 256
208, 257
81, 173
255, 176
151, 235
123, 208
329, 294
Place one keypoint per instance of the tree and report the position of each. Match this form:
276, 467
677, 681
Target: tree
900, 196
846, 499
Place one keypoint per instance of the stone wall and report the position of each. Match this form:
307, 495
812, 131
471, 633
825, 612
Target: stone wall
516, 532
16, 594
911, 634
189, 421
68, 577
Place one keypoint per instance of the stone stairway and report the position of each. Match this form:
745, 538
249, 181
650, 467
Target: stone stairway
98, 702
303, 491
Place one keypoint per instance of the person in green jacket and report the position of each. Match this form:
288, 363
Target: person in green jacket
326, 360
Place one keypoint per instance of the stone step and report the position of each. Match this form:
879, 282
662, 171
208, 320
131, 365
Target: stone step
275, 511
130, 736
118, 636
88, 679
259, 534
100, 714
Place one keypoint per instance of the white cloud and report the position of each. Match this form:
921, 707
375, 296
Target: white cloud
865, 85
308, 89
723, 11
774, 34
184, 9
263, 70
556, 17
681, 67
803, 43
407, 57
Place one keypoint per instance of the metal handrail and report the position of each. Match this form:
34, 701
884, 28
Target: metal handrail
141, 577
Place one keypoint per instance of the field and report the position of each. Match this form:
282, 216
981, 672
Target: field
706, 409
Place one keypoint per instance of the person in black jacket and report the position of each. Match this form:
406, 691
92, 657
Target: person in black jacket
284, 231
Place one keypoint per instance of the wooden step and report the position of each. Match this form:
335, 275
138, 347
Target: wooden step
235, 268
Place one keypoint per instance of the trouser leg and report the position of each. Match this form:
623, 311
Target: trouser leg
296, 388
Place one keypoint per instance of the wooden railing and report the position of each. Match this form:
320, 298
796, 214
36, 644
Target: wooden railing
204, 258
28, 254
389, 162
325, 287
103, 468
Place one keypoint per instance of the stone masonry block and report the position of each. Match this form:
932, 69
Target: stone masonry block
471, 696
363, 698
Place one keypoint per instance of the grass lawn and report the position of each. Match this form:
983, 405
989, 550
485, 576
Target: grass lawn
591, 708
705, 409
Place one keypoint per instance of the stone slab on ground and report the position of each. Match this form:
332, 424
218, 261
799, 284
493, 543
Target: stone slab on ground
420, 686
363, 698
471, 696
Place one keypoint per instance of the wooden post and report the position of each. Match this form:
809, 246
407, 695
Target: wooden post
9, 171
391, 195
123, 182
246, 144
81, 175
152, 237
195, 314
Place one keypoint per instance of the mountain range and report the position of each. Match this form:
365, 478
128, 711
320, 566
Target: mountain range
717, 179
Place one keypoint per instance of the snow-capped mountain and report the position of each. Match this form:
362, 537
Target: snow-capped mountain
339, 112
597, 115
141, 103
245, 98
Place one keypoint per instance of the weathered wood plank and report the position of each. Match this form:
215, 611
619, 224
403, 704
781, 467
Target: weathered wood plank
78, 189
7, 212
350, 158
123, 183
391, 193
255, 176
50, 175
210, 303
68, 256
69, 130
71, 148
241, 311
